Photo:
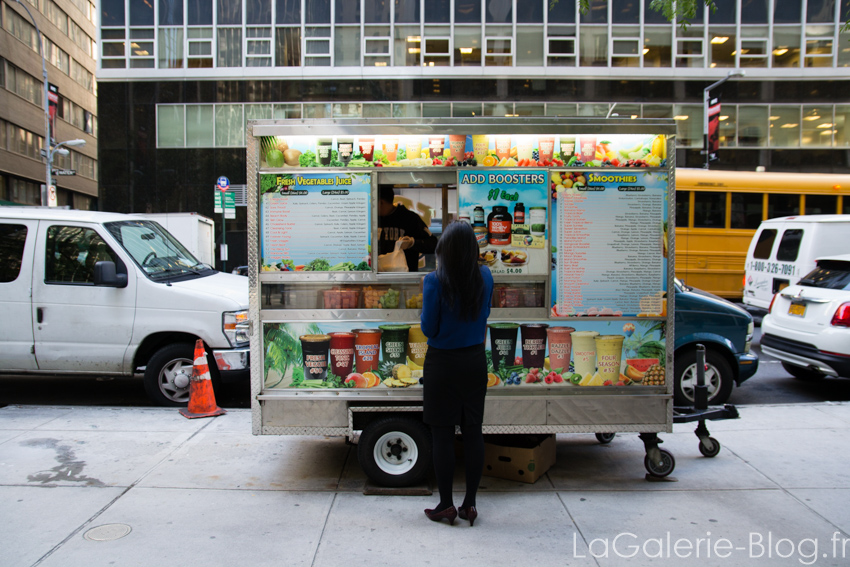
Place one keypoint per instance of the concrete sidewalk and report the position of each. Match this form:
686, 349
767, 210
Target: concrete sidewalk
207, 492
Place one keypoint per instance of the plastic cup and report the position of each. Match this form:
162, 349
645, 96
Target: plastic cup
503, 343
367, 148
367, 347
314, 351
417, 345
391, 148
503, 147
533, 344
394, 343
480, 146
609, 354
342, 353
345, 149
323, 150
560, 347
457, 145
545, 147
587, 148
524, 147
568, 147
584, 351
436, 145
413, 147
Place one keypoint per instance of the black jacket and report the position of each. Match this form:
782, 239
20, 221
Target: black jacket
402, 222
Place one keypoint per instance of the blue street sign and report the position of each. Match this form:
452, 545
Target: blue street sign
223, 183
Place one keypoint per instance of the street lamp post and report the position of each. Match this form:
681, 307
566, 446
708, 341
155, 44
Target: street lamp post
58, 149
706, 94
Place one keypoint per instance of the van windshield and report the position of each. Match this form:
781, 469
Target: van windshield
158, 253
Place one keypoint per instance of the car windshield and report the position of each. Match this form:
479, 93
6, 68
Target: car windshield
158, 253
830, 274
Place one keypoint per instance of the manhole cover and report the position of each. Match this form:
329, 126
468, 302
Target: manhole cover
108, 532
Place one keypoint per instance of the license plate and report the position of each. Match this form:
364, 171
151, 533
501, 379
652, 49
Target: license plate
797, 309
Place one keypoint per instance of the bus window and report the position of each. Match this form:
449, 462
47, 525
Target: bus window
746, 210
765, 244
846, 207
683, 205
789, 245
782, 206
821, 204
709, 209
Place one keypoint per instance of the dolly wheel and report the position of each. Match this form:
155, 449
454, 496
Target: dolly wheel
662, 468
605, 438
709, 447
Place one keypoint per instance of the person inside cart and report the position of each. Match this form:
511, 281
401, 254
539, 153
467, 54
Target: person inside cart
397, 223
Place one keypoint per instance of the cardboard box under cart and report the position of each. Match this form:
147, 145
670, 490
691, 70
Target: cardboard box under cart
523, 458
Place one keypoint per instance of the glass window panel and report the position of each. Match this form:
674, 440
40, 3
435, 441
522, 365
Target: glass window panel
597, 12
788, 12
438, 11
764, 245
529, 45
657, 46
434, 50
319, 47
594, 46
817, 125
652, 16
782, 205
113, 49
820, 11
786, 46
531, 12
819, 53
752, 126
498, 11
377, 110
845, 207
683, 205
170, 48
317, 12
347, 46
288, 11
71, 252
593, 109
200, 126
688, 124
728, 133
723, 41
467, 11
709, 209
287, 111
347, 110
498, 109
348, 12
112, 63
407, 11
466, 109
317, 111
625, 11
562, 12
169, 126
374, 11
199, 13
229, 47
229, 12
407, 110
171, 12
789, 245
436, 110
724, 12
821, 204
746, 210
112, 13
258, 112
753, 53
407, 45
754, 11
229, 125
498, 51
288, 47
785, 126
141, 13
842, 128
527, 109
258, 12
561, 109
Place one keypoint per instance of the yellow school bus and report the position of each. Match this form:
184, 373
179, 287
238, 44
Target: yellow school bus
717, 213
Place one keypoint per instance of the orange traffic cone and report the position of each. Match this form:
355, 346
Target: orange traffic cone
201, 395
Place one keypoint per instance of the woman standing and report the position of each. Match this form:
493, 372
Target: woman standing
455, 306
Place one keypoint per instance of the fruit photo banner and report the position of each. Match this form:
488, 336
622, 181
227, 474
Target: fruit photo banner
344, 355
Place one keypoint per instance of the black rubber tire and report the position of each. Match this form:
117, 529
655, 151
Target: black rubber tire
719, 378
668, 463
605, 438
167, 362
710, 453
804, 374
401, 435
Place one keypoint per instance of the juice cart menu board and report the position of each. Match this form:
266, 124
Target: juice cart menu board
378, 355
611, 234
508, 213
315, 222
464, 150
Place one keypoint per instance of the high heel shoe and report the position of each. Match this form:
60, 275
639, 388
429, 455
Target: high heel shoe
449, 514
468, 513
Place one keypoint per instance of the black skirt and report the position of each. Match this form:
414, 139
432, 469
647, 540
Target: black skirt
455, 383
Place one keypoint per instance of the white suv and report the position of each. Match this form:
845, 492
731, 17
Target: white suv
808, 327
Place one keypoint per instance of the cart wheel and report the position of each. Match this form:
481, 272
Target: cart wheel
395, 451
605, 438
662, 469
712, 450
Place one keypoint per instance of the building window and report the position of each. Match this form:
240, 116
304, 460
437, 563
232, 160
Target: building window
819, 51
288, 11
141, 48
657, 46
229, 12
259, 52
752, 126
593, 46
200, 126
317, 12
141, 13
818, 126
529, 46
112, 13
754, 49
728, 126
785, 126
347, 46
467, 46
561, 52
200, 48
258, 12
625, 52
438, 50
407, 11
112, 55
169, 126
468, 11
688, 124
499, 51
287, 111
317, 46
377, 49
229, 47
229, 125
170, 48
288, 47
689, 50
842, 128
786, 46
407, 46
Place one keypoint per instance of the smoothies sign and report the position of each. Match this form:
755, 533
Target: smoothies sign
508, 213
317, 222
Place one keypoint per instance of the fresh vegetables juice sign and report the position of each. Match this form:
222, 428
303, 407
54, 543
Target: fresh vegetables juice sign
500, 203
316, 222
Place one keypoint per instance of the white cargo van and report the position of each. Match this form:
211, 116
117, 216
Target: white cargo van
783, 250
104, 293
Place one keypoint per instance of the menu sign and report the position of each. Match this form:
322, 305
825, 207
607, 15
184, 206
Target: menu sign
315, 222
611, 244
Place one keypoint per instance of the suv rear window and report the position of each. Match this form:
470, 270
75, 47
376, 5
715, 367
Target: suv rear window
830, 274
789, 246
765, 244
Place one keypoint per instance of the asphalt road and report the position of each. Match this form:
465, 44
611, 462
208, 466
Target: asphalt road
770, 385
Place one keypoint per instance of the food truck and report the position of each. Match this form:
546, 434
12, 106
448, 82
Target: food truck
571, 217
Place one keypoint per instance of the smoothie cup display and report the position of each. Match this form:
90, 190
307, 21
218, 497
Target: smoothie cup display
345, 149
367, 148
587, 148
503, 343
314, 350
524, 147
503, 147
436, 145
367, 347
394, 343
323, 150
560, 347
457, 145
342, 353
568, 147
584, 351
391, 148
417, 345
480, 146
609, 354
545, 147
533, 344
413, 147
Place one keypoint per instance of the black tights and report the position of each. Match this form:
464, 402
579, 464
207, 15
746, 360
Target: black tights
444, 461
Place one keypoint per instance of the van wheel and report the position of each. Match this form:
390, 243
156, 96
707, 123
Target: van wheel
718, 378
168, 374
800, 373
395, 451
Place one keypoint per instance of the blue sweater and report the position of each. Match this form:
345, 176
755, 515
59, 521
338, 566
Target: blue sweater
443, 325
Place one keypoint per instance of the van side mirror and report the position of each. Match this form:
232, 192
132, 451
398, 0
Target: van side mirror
105, 275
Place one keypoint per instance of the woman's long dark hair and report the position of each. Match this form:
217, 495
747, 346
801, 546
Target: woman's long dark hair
458, 271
